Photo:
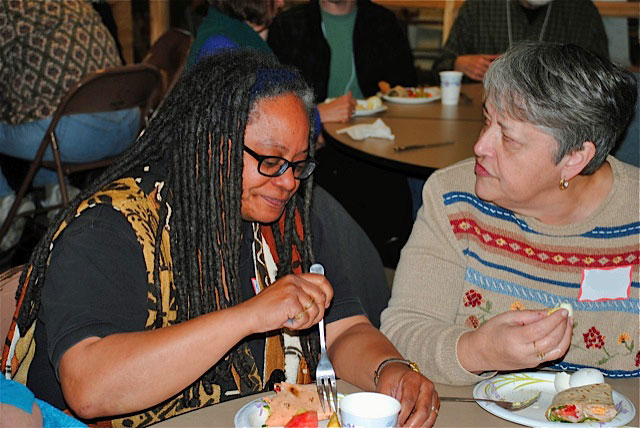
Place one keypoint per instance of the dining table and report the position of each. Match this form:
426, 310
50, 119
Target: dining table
451, 414
447, 133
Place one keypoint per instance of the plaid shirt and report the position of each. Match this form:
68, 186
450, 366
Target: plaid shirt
46, 47
481, 28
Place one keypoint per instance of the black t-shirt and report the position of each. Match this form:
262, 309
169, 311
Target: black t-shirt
96, 283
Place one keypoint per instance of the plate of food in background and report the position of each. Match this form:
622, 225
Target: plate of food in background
408, 95
370, 106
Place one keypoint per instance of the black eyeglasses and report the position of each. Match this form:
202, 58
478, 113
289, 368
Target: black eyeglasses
275, 166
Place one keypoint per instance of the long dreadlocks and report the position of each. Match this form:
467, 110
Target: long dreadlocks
200, 135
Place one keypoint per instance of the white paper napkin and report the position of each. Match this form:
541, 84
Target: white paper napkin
377, 129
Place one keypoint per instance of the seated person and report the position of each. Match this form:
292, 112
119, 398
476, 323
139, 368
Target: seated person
48, 46
179, 278
484, 29
542, 216
347, 47
246, 23
343, 46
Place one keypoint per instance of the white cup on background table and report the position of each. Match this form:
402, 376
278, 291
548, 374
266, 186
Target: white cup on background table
450, 82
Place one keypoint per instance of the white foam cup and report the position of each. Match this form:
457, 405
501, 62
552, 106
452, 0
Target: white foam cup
450, 87
369, 410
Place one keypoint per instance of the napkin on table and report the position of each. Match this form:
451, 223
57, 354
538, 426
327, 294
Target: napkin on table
377, 129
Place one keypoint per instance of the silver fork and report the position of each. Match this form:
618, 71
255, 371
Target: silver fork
325, 374
508, 405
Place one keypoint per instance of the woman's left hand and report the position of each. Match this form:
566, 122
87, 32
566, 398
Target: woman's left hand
416, 394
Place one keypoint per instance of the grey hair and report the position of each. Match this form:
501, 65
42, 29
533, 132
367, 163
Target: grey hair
287, 82
566, 92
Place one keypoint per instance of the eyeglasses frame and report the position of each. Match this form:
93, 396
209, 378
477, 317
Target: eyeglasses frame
285, 166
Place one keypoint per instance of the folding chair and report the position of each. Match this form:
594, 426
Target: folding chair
169, 54
104, 90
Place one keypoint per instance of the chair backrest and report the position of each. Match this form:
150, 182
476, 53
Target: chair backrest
169, 54
111, 89
8, 288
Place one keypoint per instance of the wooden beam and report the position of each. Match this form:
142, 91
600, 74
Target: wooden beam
123, 16
622, 9
159, 19
420, 4
628, 9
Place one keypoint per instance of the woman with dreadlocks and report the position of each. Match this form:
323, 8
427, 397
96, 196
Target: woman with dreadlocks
178, 279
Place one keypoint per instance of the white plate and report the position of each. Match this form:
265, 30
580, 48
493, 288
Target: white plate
435, 92
517, 386
365, 112
252, 415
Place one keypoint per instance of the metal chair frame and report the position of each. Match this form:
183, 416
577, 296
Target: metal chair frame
169, 54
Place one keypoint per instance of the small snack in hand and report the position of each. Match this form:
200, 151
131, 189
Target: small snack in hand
583, 403
566, 306
333, 421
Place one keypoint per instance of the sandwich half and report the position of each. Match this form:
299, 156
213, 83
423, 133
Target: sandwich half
583, 403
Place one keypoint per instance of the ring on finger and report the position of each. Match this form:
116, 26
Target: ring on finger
301, 314
539, 355
310, 304
433, 409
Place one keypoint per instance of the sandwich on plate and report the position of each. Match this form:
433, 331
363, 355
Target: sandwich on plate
583, 403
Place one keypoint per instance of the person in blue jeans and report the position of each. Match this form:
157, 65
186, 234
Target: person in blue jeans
49, 46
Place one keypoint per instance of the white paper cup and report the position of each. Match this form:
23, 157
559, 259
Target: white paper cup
450, 87
369, 410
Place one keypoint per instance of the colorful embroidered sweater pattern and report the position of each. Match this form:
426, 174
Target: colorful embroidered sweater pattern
468, 260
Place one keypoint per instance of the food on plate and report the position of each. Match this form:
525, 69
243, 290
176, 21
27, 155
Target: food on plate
583, 403
404, 92
291, 400
581, 377
586, 377
384, 86
371, 103
566, 306
561, 381
303, 420
333, 421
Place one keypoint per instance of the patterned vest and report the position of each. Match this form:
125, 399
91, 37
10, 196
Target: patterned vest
141, 211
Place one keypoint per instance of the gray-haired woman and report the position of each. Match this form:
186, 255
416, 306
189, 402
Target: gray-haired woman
541, 216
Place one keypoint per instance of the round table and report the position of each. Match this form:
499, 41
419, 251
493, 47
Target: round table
452, 414
412, 124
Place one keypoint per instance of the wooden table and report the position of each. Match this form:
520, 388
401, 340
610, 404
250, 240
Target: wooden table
418, 124
451, 414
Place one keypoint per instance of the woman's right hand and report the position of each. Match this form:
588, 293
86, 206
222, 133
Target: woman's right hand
296, 302
516, 340
338, 110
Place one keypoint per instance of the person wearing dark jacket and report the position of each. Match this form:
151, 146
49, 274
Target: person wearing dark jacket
342, 47
301, 36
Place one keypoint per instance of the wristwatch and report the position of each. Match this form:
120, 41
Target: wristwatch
376, 375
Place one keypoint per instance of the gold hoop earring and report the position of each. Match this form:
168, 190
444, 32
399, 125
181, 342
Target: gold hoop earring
564, 184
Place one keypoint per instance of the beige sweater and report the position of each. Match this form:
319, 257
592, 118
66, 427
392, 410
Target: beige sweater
468, 260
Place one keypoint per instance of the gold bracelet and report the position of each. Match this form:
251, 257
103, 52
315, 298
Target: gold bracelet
376, 375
